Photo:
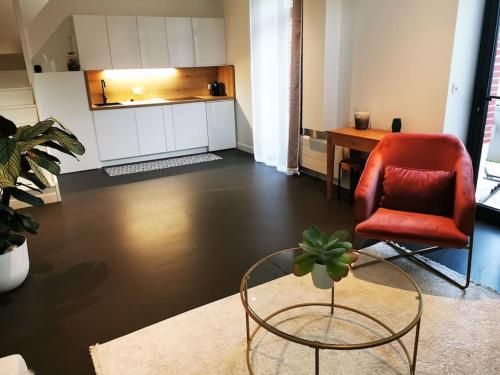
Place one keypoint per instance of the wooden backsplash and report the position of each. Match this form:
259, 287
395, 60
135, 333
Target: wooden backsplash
174, 83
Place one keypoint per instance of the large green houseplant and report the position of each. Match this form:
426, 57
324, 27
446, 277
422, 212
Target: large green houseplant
327, 258
22, 163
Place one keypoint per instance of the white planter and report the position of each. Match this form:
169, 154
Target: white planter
320, 277
14, 267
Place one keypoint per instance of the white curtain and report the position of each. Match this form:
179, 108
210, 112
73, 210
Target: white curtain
270, 24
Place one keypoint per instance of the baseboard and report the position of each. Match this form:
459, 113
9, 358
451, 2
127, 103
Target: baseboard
244, 147
49, 195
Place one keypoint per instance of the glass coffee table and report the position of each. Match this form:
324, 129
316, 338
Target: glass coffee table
373, 306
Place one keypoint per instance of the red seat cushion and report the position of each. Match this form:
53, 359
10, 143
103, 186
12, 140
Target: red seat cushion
418, 190
386, 224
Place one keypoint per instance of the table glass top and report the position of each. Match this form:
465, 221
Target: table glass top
378, 302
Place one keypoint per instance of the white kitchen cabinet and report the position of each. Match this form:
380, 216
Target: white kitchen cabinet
116, 133
221, 125
153, 42
150, 130
124, 42
168, 119
180, 41
63, 95
92, 41
190, 125
209, 41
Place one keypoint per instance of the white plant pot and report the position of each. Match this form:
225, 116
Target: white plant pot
320, 277
14, 267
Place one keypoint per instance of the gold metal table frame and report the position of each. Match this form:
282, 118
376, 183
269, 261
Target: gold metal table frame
316, 345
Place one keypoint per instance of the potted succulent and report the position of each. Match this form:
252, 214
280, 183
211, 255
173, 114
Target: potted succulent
22, 163
327, 258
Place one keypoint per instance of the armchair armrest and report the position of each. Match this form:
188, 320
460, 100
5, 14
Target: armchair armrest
465, 200
367, 195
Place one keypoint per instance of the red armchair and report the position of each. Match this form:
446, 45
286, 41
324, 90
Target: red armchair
436, 152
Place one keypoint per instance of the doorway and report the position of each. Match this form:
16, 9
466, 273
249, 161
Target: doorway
483, 141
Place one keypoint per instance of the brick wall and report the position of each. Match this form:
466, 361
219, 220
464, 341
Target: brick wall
490, 119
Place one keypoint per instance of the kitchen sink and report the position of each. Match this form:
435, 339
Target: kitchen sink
183, 98
106, 104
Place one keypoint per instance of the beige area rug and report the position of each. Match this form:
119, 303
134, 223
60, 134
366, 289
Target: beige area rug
460, 331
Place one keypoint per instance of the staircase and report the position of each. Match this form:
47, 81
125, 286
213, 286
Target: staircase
18, 105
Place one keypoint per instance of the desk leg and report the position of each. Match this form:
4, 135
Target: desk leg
330, 166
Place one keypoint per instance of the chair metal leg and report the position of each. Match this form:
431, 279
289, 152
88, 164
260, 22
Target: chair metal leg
434, 270
406, 253
411, 255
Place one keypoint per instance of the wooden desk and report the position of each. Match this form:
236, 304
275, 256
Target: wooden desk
360, 140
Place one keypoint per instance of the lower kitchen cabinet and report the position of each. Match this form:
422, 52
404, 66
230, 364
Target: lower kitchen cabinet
221, 125
168, 118
150, 130
116, 133
190, 125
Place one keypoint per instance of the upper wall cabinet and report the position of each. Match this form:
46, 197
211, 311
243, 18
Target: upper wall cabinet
209, 41
153, 42
123, 42
92, 40
180, 41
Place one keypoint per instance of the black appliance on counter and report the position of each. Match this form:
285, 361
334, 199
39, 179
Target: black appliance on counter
216, 88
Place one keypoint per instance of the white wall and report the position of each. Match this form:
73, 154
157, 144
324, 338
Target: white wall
463, 67
401, 59
314, 64
53, 54
29, 9
9, 34
237, 22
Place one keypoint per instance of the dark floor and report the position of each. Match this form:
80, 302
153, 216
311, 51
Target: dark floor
122, 253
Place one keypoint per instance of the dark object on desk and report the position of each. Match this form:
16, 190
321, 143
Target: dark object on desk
216, 88
37, 68
396, 125
361, 120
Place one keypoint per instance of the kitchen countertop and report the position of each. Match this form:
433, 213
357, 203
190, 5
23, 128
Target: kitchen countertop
158, 101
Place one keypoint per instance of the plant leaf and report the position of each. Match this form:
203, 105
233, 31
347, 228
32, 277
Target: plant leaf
335, 244
28, 145
336, 270
7, 127
38, 172
304, 264
62, 126
338, 236
27, 133
308, 248
348, 257
26, 197
67, 140
336, 252
5, 178
44, 163
32, 178
312, 236
10, 157
45, 155
55, 146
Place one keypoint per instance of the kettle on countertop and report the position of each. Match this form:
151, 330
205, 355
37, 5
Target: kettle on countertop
216, 88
